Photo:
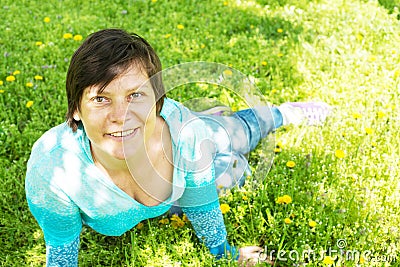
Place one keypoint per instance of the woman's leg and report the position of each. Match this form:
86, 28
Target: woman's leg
236, 135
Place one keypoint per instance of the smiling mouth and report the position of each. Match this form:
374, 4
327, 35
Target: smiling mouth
123, 133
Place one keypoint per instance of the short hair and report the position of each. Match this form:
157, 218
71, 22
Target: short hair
101, 58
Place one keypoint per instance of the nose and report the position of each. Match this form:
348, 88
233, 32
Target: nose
118, 112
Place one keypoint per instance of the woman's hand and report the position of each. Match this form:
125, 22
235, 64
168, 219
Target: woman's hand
250, 256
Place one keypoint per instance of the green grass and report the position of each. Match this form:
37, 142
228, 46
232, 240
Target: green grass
340, 51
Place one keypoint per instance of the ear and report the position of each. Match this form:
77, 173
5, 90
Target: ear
76, 116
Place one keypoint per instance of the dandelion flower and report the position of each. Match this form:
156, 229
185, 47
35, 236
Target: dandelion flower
328, 260
1, 91
277, 150
139, 226
176, 222
29, 104
1, 82
369, 131
361, 260
280, 54
224, 208
287, 221
359, 36
264, 63
39, 43
67, 35
164, 221
279, 30
10, 78
78, 37
225, 3
16, 72
286, 199
339, 154
356, 115
180, 27
47, 19
245, 198
397, 73
153, 1
202, 46
290, 164
29, 84
228, 72
312, 223
38, 78
372, 58
167, 35
381, 114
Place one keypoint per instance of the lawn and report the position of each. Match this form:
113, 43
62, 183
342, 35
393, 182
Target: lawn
332, 193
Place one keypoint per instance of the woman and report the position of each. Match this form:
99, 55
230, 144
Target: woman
127, 153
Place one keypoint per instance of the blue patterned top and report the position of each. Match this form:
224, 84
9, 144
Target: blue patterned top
65, 189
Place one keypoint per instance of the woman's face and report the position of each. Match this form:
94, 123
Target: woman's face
123, 115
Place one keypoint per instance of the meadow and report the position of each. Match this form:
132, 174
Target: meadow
332, 194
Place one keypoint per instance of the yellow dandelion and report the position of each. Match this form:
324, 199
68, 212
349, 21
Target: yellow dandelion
277, 149
47, 19
29, 84
245, 198
1, 82
78, 37
356, 115
225, 3
224, 208
202, 46
153, 1
16, 72
185, 218
176, 222
361, 260
10, 78
38, 78
374, 144
286, 199
264, 63
359, 36
369, 131
1, 91
339, 154
372, 58
180, 27
312, 223
328, 260
228, 72
381, 114
279, 30
164, 221
29, 104
290, 164
139, 226
39, 43
287, 221
274, 91
167, 35
67, 35
396, 73
280, 54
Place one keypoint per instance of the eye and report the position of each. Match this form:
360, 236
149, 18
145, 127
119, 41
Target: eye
135, 95
99, 99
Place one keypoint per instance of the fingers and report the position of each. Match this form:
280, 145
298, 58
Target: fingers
251, 255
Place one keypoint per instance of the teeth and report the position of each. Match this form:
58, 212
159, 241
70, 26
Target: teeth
122, 134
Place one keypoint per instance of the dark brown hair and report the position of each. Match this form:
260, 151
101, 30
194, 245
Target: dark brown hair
101, 58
